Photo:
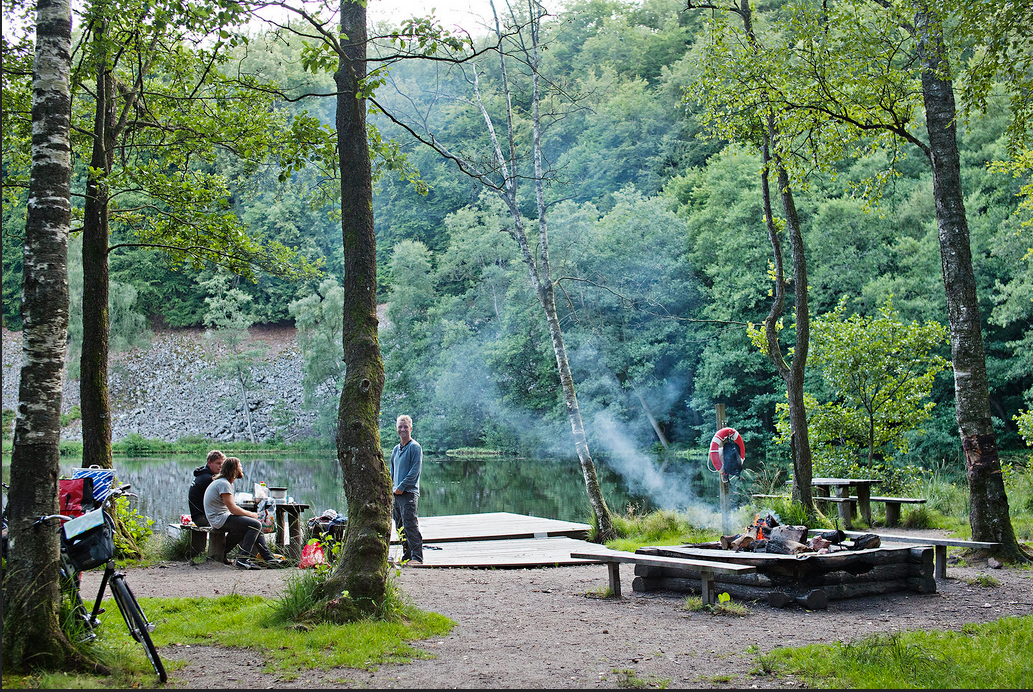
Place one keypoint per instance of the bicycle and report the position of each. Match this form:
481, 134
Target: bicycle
87, 542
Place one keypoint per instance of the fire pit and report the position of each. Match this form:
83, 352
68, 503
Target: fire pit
795, 565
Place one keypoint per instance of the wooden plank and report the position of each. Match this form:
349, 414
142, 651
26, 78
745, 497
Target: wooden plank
605, 555
919, 540
493, 526
516, 552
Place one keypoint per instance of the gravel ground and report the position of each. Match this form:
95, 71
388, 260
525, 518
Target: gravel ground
541, 628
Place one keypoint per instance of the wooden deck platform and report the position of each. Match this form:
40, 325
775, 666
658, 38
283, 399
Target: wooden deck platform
498, 539
514, 552
492, 526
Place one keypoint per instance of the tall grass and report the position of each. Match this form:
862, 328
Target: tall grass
662, 527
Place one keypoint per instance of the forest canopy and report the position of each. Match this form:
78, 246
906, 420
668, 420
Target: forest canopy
659, 251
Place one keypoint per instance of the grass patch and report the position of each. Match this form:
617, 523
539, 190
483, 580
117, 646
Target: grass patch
724, 606
230, 620
627, 678
252, 621
983, 580
993, 655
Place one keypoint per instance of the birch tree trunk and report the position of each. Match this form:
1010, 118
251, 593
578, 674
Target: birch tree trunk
539, 268
32, 637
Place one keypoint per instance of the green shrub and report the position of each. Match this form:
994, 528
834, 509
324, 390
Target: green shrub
74, 414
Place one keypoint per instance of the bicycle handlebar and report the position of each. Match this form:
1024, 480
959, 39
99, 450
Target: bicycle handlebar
51, 516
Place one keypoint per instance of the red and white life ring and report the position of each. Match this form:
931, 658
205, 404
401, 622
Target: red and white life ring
717, 444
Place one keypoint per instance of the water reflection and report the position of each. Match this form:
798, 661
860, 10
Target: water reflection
545, 488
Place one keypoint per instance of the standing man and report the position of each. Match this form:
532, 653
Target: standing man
202, 479
406, 464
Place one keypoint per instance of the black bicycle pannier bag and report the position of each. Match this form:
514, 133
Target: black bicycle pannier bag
89, 540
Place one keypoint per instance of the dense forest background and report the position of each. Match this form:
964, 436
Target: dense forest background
658, 247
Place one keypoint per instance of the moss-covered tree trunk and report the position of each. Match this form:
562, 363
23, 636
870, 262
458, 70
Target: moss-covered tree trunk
93, 377
32, 637
367, 482
988, 513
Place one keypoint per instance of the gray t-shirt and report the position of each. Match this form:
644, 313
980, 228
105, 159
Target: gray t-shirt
214, 508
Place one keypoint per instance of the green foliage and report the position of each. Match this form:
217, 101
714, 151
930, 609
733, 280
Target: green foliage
991, 655
662, 527
880, 373
319, 319
228, 620
9, 416
136, 527
628, 679
724, 606
73, 414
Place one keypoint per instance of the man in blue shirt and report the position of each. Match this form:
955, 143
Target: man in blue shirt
406, 464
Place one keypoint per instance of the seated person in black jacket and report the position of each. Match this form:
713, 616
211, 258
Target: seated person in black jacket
202, 479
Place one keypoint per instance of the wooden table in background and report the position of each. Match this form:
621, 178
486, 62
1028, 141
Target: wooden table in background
843, 487
288, 526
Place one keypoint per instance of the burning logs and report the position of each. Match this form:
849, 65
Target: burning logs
766, 535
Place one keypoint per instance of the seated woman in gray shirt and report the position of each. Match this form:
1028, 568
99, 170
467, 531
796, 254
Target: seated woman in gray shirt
241, 526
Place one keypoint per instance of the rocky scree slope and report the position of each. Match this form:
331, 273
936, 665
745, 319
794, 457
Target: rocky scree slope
174, 389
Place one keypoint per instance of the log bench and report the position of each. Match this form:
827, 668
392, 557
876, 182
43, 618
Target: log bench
204, 538
939, 546
707, 568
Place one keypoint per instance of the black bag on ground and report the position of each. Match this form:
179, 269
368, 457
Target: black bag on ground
89, 540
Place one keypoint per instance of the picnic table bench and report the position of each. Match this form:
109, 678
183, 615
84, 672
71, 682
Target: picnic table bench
939, 546
614, 558
892, 505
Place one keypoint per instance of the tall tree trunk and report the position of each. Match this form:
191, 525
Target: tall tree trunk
93, 378
32, 636
793, 373
367, 482
988, 514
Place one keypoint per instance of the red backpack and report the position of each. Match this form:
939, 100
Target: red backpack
75, 496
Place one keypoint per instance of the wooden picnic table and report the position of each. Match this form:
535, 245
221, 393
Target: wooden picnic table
288, 526
843, 486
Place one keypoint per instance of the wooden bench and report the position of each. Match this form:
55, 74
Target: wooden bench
893, 507
939, 546
708, 568
773, 497
205, 537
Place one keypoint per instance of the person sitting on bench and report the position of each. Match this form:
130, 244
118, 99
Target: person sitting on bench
202, 479
240, 525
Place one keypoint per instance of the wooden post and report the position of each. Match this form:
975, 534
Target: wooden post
725, 489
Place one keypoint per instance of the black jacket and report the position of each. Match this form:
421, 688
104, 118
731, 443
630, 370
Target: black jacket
202, 479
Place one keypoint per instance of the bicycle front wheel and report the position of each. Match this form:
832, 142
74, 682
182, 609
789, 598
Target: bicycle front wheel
136, 621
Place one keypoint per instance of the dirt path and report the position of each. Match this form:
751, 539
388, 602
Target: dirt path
537, 628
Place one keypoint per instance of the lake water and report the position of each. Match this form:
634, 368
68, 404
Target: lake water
543, 488
549, 488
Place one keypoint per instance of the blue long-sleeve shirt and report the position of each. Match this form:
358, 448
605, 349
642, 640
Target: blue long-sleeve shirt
406, 464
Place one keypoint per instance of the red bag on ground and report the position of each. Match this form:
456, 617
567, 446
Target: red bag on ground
311, 555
